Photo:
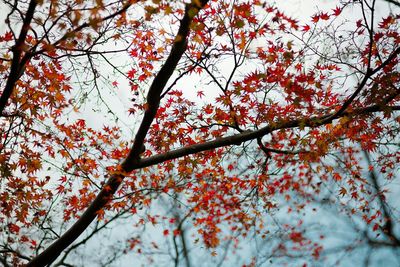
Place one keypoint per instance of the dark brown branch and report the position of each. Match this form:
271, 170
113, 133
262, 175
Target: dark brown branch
16, 66
14, 252
367, 76
18, 62
54, 250
251, 135
9, 115
4, 262
133, 160
393, 2
159, 82
112, 185
286, 152
72, 33
153, 99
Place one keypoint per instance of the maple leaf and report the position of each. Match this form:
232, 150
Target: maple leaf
208, 109
200, 94
342, 191
133, 53
131, 73
337, 11
8, 36
142, 77
176, 232
315, 18
354, 195
74, 202
306, 28
14, 228
81, 123
337, 176
100, 214
386, 22
60, 189
230, 167
324, 16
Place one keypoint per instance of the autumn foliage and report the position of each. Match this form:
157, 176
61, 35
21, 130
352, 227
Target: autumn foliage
209, 119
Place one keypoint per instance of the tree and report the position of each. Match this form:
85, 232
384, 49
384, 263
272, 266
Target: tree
240, 107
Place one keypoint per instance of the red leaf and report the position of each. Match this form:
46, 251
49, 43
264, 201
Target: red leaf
337, 11
315, 18
306, 28
7, 37
337, 176
230, 167
324, 16
177, 232
386, 22
200, 94
296, 237
13, 228
131, 73
81, 123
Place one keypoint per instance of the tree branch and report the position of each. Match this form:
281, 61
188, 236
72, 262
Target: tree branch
18, 63
133, 160
388, 227
367, 76
251, 135
18, 48
153, 100
393, 2
159, 82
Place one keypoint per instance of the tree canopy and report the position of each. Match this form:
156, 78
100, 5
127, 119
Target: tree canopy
216, 122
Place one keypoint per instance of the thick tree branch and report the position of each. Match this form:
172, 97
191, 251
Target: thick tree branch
18, 48
54, 250
153, 99
133, 160
51, 253
156, 88
251, 135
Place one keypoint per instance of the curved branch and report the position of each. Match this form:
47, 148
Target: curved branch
367, 76
159, 82
393, 2
153, 100
133, 160
18, 48
251, 135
